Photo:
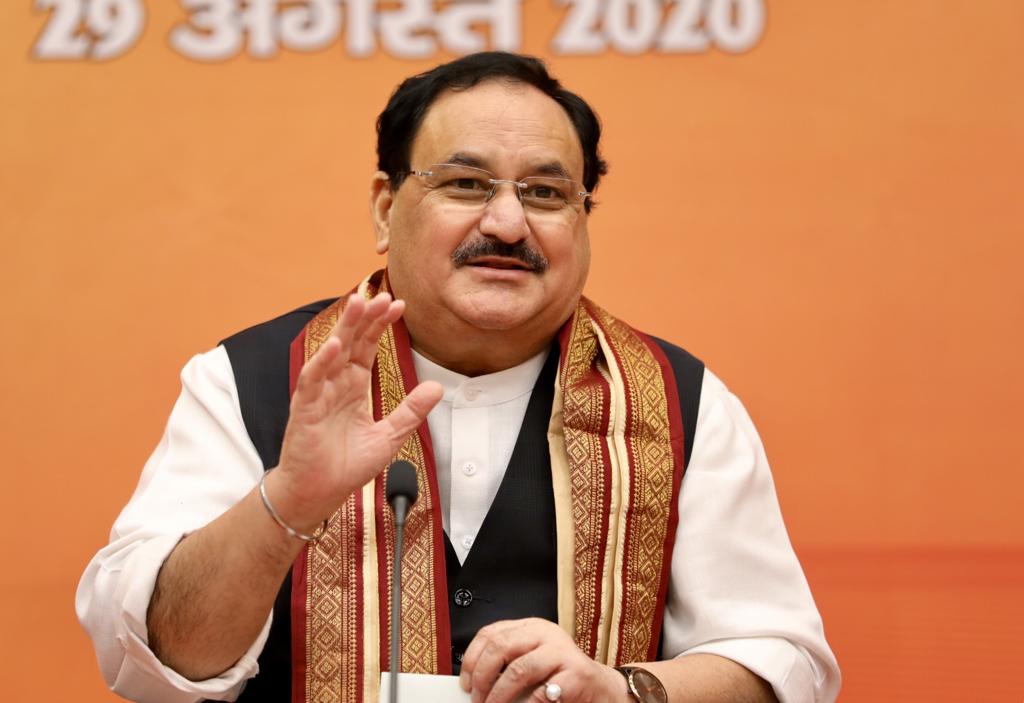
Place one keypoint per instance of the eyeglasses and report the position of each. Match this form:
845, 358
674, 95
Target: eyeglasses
475, 186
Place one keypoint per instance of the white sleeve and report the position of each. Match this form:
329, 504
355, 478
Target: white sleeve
736, 587
204, 464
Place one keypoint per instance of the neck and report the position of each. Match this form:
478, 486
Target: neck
488, 353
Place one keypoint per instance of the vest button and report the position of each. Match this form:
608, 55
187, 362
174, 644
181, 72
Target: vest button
463, 597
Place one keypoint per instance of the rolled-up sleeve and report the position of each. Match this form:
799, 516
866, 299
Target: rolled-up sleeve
736, 588
204, 464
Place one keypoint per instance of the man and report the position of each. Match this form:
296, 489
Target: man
556, 536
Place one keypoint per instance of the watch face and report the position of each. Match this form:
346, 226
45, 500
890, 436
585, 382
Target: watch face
646, 687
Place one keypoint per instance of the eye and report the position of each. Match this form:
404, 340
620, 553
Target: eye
466, 184
462, 185
546, 192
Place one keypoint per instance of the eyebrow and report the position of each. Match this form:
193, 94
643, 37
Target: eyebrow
463, 159
551, 168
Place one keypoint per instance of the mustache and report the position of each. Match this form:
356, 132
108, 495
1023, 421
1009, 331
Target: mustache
487, 246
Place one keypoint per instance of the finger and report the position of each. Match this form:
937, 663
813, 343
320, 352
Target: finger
344, 331
311, 377
342, 336
375, 307
483, 639
521, 674
365, 348
495, 648
357, 315
411, 412
485, 670
540, 693
333, 354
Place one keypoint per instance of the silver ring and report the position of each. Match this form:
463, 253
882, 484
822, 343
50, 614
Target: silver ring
552, 691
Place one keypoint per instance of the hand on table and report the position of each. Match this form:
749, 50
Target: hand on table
332, 445
515, 657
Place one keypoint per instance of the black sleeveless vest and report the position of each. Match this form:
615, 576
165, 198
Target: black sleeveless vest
510, 570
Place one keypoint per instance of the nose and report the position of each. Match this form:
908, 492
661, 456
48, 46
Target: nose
503, 216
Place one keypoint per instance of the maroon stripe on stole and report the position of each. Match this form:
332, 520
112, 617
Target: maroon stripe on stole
677, 440
403, 345
298, 600
593, 376
296, 359
383, 557
360, 625
627, 544
606, 505
380, 514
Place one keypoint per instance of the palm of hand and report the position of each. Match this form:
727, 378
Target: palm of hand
332, 444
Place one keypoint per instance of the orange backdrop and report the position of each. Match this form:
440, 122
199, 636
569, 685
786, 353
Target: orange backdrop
822, 201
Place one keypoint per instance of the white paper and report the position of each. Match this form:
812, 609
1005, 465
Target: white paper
428, 688
423, 688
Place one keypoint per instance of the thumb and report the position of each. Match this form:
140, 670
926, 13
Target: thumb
411, 412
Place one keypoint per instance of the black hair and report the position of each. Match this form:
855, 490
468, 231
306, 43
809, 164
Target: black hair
401, 119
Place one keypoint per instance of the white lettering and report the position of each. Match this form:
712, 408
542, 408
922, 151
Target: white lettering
405, 33
736, 25
456, 23
62, 37
259, 22
638, 26
116, 24
310, 26
631, 25
217, 30
683, 33
97, 29
579, 33
361, 41
213, 32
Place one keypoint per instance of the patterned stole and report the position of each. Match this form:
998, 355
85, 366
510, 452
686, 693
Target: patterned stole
616, 442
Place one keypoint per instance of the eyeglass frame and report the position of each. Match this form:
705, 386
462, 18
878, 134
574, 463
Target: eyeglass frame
520, 186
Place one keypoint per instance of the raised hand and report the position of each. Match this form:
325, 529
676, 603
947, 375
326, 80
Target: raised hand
332, 445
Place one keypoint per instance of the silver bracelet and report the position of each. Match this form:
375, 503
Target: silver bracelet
277, 518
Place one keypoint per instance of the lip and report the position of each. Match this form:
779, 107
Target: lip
498, 270
499, 263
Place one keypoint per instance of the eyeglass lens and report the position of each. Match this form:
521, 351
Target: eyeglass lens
476, 186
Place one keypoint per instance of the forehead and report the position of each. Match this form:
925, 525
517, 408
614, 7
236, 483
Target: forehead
508, 127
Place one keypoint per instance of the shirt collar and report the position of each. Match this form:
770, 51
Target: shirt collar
481, 391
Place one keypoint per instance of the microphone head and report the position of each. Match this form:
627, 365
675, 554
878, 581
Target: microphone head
401, 481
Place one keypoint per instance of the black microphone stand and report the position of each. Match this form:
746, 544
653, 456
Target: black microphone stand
401, 490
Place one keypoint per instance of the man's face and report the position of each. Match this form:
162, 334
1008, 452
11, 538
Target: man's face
513, 131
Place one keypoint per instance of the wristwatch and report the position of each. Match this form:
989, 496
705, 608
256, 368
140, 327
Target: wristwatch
643, 686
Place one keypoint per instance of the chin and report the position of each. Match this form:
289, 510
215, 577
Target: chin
496, 316
497, 321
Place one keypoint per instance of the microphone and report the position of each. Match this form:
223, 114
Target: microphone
401, 491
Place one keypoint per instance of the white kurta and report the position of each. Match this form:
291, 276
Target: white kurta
736, 588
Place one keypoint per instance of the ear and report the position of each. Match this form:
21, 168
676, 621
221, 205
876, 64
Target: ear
381, 199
